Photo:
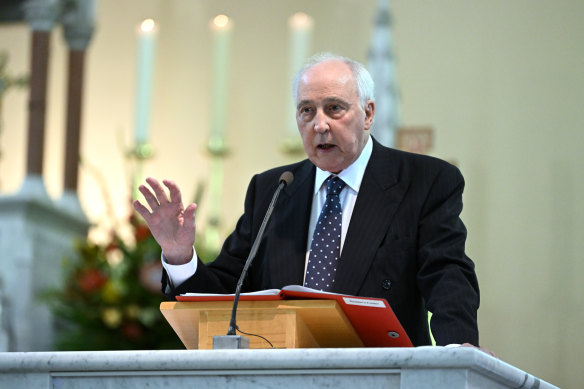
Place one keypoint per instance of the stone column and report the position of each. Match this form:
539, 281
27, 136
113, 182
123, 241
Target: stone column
41, 16
35, 235
78, 24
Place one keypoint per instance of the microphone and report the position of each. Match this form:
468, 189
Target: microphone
285, 179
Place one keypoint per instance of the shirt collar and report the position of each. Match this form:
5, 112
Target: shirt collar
352, 175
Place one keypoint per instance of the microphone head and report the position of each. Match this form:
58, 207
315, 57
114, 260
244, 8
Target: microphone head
287, 177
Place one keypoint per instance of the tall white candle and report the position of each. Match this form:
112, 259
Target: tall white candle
221, 27
300, 41
146, 49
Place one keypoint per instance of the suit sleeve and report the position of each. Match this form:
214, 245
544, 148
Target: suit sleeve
446, 276
222, 275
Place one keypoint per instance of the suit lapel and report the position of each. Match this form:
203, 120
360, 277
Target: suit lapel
287, 246
379, 197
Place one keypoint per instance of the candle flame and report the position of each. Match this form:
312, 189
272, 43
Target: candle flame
148, 25
300, 20
221, 21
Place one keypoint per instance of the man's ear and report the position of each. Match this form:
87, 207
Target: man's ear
369, 113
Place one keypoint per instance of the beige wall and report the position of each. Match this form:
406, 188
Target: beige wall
501, 82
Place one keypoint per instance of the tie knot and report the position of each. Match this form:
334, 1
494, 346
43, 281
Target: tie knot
334, 185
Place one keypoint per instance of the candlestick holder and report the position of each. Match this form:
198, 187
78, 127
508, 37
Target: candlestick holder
218, 151
292, 146
141, 152
138, 154
216, 147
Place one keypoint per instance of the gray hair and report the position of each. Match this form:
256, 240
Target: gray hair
365, 84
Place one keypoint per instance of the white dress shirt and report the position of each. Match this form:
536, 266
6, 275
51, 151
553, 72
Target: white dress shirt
352, 176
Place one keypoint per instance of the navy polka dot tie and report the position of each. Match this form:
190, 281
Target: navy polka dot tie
325, 248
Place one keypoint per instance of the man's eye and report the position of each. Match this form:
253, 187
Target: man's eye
335, 108
305, 110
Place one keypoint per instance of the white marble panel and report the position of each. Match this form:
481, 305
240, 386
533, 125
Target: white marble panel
423, 367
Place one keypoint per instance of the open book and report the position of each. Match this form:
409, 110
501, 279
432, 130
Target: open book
281, 293
372, 318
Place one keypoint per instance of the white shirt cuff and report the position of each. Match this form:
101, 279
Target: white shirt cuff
180, 273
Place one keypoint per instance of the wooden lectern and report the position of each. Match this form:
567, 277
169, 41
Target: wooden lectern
285, 323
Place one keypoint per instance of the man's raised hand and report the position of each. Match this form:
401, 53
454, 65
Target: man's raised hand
172, 225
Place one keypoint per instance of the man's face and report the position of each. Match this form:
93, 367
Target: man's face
333, 125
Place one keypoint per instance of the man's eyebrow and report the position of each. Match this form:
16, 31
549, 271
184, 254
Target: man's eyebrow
302, 103
337, 100
327, 100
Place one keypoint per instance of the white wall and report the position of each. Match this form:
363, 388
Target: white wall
501, 82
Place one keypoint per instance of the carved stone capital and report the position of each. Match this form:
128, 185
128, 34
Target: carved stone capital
78, 36
42, 15
78, 22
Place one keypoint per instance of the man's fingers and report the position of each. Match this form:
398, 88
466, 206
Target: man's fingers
173, 189
142, 210
486, 351
158, 190
149, 197
189, 215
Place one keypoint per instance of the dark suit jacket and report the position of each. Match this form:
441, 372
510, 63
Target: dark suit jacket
405, 243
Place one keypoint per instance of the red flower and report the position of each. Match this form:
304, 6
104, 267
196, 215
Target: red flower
132, 330
142, 232
91, 280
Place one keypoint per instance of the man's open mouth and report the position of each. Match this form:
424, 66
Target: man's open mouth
325, 146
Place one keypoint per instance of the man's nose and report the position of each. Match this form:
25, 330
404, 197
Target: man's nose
321, 124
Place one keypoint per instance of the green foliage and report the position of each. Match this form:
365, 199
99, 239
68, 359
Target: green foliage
111, 296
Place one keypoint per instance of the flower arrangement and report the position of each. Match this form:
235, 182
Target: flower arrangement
111, 296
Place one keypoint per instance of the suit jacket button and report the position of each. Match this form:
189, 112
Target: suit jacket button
386, 284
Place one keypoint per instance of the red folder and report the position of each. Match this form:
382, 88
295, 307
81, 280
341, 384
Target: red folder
372, 318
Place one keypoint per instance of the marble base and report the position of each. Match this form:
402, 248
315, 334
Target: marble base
35, 237
420, 368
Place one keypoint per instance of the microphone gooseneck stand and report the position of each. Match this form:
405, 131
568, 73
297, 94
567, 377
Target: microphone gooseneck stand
232, 340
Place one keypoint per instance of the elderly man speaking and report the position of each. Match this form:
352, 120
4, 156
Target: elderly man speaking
358, 218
